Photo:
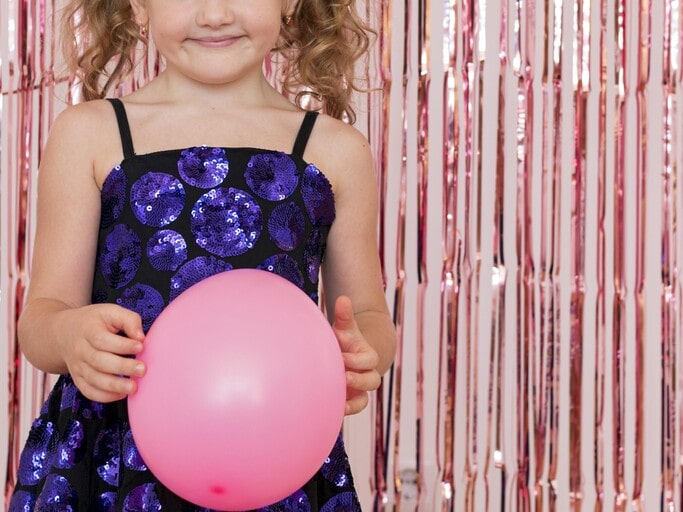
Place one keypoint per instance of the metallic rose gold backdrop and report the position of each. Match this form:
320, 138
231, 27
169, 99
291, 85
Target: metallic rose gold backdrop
530, 165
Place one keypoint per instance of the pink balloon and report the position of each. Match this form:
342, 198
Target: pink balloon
244, 393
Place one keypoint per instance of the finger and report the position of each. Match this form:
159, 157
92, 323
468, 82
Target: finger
366, 381
366, 360
108, 383
98, 395
106, 362
114, 343
357, 403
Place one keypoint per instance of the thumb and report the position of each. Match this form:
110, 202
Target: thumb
343, 314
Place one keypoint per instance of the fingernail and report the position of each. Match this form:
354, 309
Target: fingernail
140, 370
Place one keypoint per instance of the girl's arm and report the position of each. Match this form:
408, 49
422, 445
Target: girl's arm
352, 268
59, 330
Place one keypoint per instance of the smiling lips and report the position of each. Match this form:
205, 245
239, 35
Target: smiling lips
215, 41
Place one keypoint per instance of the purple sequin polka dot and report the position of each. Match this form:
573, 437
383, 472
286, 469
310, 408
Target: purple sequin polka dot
142, 498
70, 449
336, 468
318, 197
272, 176
157, 199
36, 459
194, 271
68, 396
166, 250
86, 408
203, 167
344, 502
106, 502
312, 255
58, 495
106, 455
120, 256
113, 197
284, 266
336, 471
226, 221
131, 457
144, 300
22, 501
286, 226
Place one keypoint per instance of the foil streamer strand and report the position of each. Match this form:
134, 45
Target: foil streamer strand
522, 67
495, 465
555, 267
601, 274
399, 296
618, 381
644, 35
545, 443
380, 141
450, 278
423, 46
582, 87
469, 73
668, 271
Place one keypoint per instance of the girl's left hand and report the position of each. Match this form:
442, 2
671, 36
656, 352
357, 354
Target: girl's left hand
360, 359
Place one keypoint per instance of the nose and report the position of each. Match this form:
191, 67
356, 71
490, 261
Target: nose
215, 13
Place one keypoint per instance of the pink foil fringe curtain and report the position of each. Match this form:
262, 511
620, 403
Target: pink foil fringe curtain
531, 264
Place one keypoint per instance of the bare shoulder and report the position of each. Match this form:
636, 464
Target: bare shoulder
342, 152
82, 121
85, 133
77, 138
337, 139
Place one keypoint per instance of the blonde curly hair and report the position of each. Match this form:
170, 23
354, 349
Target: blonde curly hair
99, 38
321, 46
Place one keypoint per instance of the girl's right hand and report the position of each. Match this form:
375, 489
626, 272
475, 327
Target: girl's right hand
97, 339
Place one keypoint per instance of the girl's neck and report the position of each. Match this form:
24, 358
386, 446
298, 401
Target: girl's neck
252, 91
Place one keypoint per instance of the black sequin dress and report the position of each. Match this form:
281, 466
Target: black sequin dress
170, 219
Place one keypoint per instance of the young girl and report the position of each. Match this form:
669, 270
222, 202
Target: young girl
205, 169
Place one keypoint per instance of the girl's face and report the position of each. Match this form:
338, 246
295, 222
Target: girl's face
212, 41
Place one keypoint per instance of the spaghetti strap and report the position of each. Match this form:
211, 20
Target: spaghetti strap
304, 133
124, 128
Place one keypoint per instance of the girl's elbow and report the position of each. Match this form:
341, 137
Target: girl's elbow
389, 352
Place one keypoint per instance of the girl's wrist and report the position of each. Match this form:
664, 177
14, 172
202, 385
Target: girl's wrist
42, 337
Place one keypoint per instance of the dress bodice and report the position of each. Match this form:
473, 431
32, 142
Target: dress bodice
172, 218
